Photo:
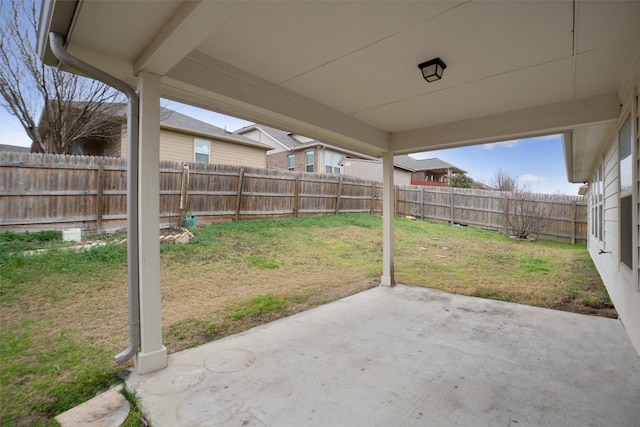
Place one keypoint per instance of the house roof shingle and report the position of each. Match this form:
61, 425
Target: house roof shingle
286, 140
281, 137
413, 165
14, 148
402, 161
170, 119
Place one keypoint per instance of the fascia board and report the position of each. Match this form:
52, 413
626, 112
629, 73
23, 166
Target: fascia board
200, 78
530, 122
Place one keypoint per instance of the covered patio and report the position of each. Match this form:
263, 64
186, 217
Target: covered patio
404, 356
347, 73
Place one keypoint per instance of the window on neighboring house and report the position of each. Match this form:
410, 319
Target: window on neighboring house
291, 162
202, 150
309, 161
625, 141
331, 160
597, 204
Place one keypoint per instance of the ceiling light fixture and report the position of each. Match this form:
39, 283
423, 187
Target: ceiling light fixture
432, 70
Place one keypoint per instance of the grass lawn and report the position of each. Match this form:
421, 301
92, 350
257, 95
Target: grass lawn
64, 314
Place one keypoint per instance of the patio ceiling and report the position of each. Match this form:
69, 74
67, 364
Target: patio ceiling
346, 72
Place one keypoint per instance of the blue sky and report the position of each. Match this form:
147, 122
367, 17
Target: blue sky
536, 161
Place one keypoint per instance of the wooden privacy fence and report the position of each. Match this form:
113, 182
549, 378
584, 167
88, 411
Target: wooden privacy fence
45, 191
564, 217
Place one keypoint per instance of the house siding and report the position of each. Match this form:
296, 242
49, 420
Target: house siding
176, 146
123, 141
621, 282
260, 136
372, 170
179, 147
238, 155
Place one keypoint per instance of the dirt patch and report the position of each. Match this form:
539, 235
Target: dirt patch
582, 309
197, 313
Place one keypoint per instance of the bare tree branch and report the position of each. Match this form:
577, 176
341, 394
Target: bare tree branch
502, 181
526, 215
55, 108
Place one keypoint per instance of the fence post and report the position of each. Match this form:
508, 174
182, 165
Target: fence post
451, 203
396, 201
373, 198
99, 198
505, 209
338, 196
422, 204
573, 222
239, 191
296, 197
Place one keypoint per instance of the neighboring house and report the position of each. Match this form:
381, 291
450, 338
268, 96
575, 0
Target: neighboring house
14, 148
299, 153
183, 139
407, 170
611, 167
372, 170
94, 126
432, 172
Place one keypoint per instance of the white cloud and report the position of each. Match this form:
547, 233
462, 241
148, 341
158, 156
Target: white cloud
516, 142
505, 144
548, 137
532, 178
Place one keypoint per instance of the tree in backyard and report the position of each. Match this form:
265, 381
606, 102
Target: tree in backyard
460, 181
524, 213
55, 108
502, 181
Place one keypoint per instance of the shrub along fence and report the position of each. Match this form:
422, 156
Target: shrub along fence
45, 191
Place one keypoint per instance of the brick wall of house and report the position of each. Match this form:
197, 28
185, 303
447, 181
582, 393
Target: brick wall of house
280, 160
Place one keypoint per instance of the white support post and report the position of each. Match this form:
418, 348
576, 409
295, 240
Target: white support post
388, 213
152, 355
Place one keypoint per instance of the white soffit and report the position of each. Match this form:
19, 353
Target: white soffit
477, 99
280, 41
367, 67
119, 29
586, 148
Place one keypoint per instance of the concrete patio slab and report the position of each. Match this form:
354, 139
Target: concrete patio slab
405, 356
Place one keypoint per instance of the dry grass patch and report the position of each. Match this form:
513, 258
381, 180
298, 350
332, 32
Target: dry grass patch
491, 265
